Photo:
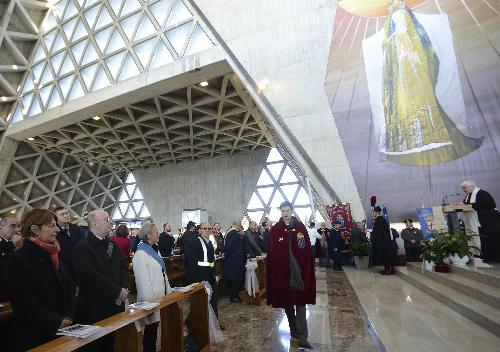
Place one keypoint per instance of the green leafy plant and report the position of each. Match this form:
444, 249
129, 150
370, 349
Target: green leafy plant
442, 244
426, 253
459, 244
360, 249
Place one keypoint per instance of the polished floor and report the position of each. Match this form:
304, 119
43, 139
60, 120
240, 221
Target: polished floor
335, 323
407, 319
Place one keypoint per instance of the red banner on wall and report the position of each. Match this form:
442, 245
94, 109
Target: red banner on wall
342, 213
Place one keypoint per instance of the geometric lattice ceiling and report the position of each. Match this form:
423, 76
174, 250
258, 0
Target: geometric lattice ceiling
277, 183
41, 178
87, 45
131, 204
19, 21
197, 122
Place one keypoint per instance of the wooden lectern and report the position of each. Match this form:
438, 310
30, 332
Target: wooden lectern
469, 217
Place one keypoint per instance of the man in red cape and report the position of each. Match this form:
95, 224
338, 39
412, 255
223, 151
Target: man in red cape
279, 293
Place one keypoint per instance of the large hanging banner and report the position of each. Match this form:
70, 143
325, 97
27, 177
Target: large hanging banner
342, 213
413, 86
426, 219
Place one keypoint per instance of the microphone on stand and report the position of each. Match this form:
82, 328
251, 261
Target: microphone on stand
449, 195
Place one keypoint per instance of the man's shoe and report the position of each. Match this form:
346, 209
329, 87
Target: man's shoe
388, 273
235, 300
306, 345
222, 327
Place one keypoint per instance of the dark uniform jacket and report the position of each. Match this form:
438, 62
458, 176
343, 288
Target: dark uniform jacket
335, 241
101, 278
41, 296
203, 272
166, 244
235, 258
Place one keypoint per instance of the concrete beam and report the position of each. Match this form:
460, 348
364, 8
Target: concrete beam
190, 70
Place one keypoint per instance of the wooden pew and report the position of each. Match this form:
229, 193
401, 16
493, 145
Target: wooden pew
176, 269
128, 339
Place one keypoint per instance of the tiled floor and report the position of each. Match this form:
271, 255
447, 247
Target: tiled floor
335, 322
406, 319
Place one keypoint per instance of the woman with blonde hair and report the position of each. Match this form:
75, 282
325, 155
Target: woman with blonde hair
150, 278
40, 286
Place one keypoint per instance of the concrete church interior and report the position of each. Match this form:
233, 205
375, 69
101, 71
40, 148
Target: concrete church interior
283, 175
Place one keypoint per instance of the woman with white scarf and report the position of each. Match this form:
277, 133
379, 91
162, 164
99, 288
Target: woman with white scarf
151, 280
489, 219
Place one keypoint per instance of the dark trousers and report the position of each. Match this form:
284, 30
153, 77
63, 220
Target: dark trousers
297, 321
235, 288
336, 257
213, 298
412, 253
149, 338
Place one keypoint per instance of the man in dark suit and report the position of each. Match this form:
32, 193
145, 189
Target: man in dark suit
186, 244
103, 277
167, 241
236, 249
68, 235
253, 239
10, 240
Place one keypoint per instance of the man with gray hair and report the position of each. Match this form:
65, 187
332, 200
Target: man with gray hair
103, 277
253, 239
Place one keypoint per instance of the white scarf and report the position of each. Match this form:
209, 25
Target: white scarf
472, 199
251, 282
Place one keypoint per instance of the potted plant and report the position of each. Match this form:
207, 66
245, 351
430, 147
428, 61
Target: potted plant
458, 247
427, 255
361, 252
435, 250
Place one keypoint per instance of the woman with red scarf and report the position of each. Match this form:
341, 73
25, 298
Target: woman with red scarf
40, 288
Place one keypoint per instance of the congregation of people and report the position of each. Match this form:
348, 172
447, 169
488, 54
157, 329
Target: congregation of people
55, 273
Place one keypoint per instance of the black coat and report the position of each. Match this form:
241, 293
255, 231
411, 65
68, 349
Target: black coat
186, 244
100, 278
489, 218
41, 296
254, 243
265, 242
166, 244
383, 247
6, 248
357, 236
236, 250
68, 240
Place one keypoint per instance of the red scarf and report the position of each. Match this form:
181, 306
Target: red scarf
52, 249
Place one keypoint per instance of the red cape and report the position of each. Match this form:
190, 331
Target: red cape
279, 294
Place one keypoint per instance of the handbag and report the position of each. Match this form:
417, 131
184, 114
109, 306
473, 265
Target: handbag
296, 283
